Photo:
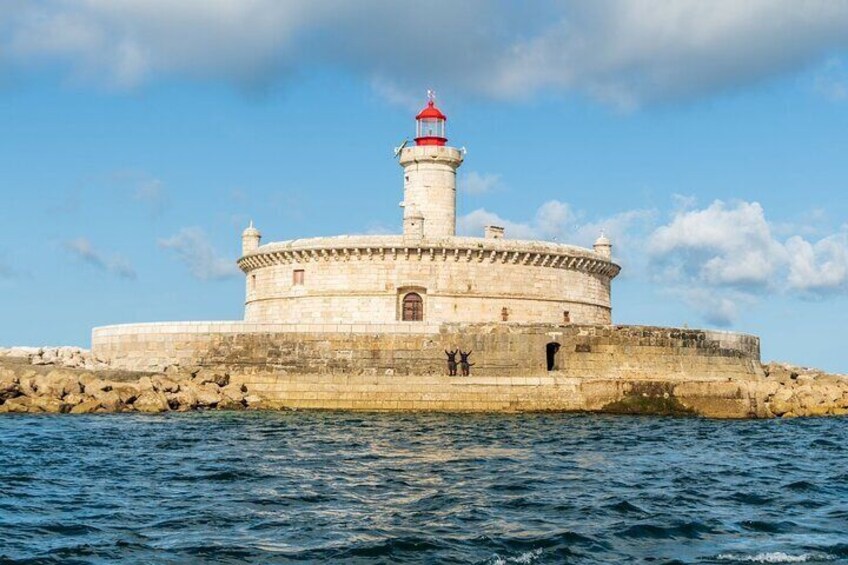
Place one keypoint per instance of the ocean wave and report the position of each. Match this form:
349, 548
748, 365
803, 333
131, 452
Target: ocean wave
777, 557
420, 488
525, 558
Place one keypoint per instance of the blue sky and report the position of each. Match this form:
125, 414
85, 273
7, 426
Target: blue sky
707, 139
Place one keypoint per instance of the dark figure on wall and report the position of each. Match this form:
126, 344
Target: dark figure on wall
464, 364
451, 362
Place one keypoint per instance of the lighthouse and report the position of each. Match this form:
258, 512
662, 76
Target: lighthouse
429, 177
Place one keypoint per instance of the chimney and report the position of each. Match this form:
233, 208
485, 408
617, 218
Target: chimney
493, 232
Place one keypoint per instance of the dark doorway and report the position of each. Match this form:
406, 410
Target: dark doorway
551, 351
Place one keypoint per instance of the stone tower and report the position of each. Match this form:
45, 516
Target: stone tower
250, 239
603, 247
429, 169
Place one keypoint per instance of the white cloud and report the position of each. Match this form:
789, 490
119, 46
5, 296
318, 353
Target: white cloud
720, 245
552, 220
84, 250
718, 260
473, 223
818, 267
194, 249
476, 183
724, 255
623, 52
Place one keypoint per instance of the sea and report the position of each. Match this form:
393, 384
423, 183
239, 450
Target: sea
328, 487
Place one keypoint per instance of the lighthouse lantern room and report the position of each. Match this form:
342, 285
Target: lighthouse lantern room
430, 122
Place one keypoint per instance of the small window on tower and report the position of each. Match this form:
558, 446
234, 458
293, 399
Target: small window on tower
297, 278
504, 314
566, 317
252, 282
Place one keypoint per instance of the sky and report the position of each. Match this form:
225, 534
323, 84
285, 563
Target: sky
708, 140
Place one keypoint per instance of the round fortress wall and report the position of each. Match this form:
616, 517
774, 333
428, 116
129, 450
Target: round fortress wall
418, 349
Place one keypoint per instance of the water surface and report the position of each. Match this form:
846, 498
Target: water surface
306, 487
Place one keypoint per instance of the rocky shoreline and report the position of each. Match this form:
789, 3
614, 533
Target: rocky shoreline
71, 380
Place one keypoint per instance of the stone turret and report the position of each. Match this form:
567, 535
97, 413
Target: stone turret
429, 170
250, 238
603, 247
413, 225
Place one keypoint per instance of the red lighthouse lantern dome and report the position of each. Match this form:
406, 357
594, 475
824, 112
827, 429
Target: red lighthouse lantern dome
430, 124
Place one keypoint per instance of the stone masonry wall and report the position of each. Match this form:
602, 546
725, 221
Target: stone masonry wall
457, 285
613, 352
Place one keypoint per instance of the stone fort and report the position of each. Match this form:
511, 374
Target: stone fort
363, 321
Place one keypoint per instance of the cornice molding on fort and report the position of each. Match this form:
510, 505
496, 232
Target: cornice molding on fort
468, 249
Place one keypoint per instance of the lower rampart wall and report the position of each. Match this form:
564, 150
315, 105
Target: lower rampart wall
519, 350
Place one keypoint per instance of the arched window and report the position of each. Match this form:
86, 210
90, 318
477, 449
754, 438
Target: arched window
413, 308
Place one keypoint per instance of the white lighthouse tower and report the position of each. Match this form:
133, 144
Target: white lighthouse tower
429, 169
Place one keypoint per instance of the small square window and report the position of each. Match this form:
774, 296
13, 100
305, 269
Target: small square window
297, 277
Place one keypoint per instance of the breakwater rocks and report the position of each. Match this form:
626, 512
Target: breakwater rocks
28, 386
71, 357
69, 380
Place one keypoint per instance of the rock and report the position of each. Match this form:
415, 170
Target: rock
151, 402
185, 399
208, 396
23, 352
26, 384
86, 407
9, 388
206, 377
38, 360
230, 404
145, 383
56, 384
49, 404
19, 405
254, 401
782, 402
95, 385
109, 400
234, 392
127, 393
162, 383
75, 398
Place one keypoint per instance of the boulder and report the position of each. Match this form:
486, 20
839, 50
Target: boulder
144, 383
162, 383
208, 396
49, 404
783, 401
21, 404
185, 399
94, 386
205, 376
126, 392
9, 387
234, 392
230, 404
109, 400
26, 383
254, 401
75, 398
86, 407
23, 352
151, 402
